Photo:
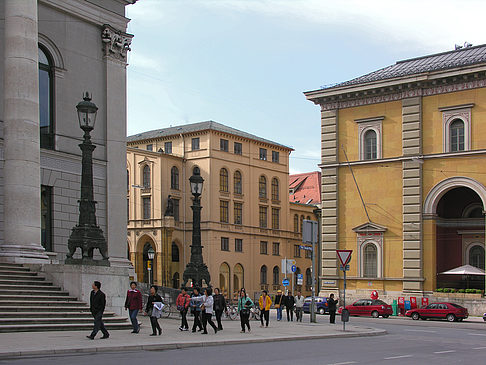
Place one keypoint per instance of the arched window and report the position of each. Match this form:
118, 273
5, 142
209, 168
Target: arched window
262, 187
174, 178
476, 257
370, 146
238, 183
276, 276
175, 252
370, 261
308, 277
46, 99
223, 180
238, 277
296, 223
275, 189
456, 135
175, 280
263, 275
146, 177
302, 223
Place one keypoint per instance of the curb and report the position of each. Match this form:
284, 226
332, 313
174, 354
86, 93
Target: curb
175, 346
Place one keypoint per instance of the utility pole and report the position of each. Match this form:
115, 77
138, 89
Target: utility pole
310, 236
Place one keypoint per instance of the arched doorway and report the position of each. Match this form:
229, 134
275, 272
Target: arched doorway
224, 279
142, 260
238, 277
175, 280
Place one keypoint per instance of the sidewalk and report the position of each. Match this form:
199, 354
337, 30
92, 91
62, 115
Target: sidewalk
49, 343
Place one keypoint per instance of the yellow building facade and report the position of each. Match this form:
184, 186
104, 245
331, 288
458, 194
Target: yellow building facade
247, 223
412, 134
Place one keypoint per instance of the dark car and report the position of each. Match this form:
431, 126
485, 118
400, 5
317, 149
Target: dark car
321, 305
369, 307
450, 311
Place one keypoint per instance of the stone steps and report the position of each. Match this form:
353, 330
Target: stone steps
55, 320
59, 308
57, 314
60, 327
14, 298
34, 292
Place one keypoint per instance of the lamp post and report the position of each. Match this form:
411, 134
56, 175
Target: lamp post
87, 234
196, 269
151, 255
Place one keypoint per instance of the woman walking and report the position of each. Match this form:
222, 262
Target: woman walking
279, 301
265, 303
244, 306
196, 300
182, 303
133, 303
219, 307
208, 308
153, 309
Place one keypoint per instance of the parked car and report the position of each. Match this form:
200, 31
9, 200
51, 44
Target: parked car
450, 311
369, 307
321, 305
484, 317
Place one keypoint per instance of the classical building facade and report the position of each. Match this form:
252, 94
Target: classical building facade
248, 224
413, 135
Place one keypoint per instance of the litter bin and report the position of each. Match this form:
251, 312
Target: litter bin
408, 305
395, 307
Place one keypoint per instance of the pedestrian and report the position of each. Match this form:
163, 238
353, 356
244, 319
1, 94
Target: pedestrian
182, 303
265, 303
244, 306
208, 309
134, 304
279, 298
97, 304
153, 309
299, 307
219, 307
196, 301
289, 306
331, 304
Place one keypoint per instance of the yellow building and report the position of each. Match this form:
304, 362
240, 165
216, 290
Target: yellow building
247, 226
414, 135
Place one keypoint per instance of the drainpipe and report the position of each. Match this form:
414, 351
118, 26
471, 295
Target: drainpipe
183, 200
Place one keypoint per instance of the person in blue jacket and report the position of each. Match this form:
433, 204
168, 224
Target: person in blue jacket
244, 306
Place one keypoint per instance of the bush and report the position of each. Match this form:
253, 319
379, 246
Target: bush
461, 291
440, 290
447, 290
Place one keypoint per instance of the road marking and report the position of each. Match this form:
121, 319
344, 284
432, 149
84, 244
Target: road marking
344, 363
476, 334
397, 357
444, 352
479, 348
427, 331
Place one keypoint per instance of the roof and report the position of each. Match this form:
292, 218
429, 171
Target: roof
197, 127
440, 61
305, 188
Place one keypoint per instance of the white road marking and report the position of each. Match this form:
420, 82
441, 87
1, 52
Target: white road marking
344, 363
397, 357
476, 334
479, 348
427, 331
444, 352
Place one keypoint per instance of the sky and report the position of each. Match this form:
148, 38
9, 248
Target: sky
246, 63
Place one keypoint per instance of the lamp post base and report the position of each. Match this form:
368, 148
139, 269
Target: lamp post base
197, 272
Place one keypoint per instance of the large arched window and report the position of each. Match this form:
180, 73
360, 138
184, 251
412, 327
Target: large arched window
296, 223
223, 180
263, 275
238, 185
308, 277
146, 177
262, 187
238, 277
276, 276
302, 223
275, 189
456, 134
476, 256
370, 261
370, 145
46, 99
175, 252
174, 178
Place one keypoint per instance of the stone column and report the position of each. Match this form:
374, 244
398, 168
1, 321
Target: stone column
22, 231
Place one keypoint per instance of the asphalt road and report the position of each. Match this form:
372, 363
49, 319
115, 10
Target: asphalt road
408, 342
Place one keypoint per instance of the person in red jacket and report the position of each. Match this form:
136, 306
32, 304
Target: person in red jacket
182, 302
134, 304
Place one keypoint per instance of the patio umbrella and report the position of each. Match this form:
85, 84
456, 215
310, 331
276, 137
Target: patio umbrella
467, 270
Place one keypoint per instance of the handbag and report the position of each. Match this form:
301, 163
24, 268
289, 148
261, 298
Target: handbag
245, 311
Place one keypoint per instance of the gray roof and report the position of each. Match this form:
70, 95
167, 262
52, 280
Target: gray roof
196, 127
415, 66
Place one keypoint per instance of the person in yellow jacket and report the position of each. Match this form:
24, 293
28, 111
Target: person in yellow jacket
265, 303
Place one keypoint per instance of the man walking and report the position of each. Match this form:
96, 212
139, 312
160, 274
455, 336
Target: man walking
279, 302
196, 301
331, 304
97, 304
299, 307
289, 306
134, 304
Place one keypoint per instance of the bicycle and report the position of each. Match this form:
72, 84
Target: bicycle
168, 310
255, 313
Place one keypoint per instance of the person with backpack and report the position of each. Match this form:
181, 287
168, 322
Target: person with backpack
279, 301
182, 302
133, 303
196, 302
219, 307
265, 304
244, 306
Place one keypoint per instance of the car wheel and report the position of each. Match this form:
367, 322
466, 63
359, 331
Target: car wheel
375, 314
386, 316
415, 316
451, 318
322, 311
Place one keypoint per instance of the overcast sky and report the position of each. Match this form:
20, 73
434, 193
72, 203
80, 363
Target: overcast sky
246, 63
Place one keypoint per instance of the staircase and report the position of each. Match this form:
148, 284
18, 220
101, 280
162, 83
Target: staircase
29, 303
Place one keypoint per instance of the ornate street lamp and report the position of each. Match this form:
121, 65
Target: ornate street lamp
87, 234
151, 255
196, 269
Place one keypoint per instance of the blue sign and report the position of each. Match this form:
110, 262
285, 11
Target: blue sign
285, 282
300, 276
293, 268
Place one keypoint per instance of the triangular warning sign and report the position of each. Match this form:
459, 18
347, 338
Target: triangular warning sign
344, 256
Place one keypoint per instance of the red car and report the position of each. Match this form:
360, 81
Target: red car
369, 307
450, 311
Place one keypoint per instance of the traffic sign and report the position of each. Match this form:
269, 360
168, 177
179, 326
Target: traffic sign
305, 248
300, 279
285, 282
293, 268
344, 256
344, 268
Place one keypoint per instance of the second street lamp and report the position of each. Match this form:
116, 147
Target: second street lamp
151, 256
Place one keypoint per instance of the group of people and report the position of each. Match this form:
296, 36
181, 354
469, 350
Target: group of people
291, 304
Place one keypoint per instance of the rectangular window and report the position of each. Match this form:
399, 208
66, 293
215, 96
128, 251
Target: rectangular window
223, 211
224, 244
275, 218
238, 148
146, 208
238, 213
238, 245
275, 156
263, 217
176, 209
224, 145
263, 154
150, 147
308, 254
264, 247
46, 217
195, 144
168, 147
276, 249
296, 251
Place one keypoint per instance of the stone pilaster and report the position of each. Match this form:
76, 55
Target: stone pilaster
22, 211
412, 194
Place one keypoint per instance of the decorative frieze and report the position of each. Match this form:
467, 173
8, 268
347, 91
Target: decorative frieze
116, 44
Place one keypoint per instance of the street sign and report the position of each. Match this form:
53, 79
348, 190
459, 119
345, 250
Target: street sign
293, 268
305, 248
344, 256
300, 279
290, 263
344, 268
285, 282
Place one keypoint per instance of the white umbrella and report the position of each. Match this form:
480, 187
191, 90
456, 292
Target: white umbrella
465, 270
